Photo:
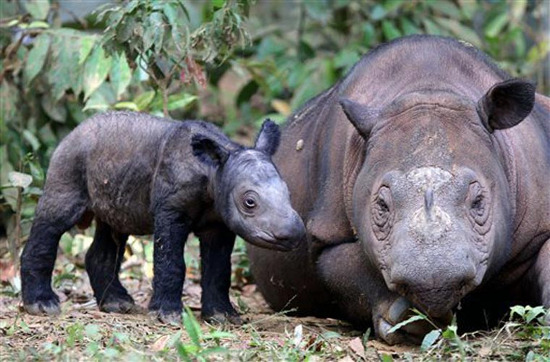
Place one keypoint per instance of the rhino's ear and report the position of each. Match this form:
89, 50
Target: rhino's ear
209, 151
506, 104
361, 116
269, 138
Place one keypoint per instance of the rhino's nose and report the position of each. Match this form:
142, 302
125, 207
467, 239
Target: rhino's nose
293, 232
436, 287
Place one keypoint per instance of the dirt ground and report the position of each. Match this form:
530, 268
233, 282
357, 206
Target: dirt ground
82, 332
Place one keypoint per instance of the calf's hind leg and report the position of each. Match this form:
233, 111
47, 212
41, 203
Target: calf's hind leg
56, 213
103, 261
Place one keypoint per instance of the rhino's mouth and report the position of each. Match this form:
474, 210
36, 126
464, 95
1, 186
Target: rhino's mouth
270, 241
436, 302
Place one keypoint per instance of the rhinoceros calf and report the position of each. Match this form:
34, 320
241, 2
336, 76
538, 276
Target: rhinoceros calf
424, 180
139, 174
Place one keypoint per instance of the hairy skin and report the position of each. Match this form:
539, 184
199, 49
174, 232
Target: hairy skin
423, 182
138, 174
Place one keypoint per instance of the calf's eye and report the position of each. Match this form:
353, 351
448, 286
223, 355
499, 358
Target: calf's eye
249, 203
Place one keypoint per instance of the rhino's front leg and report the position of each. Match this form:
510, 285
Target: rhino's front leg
362, 296
541, 278
216, 246
171, 231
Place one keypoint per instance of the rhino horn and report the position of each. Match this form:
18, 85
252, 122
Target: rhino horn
506, 104
362, 117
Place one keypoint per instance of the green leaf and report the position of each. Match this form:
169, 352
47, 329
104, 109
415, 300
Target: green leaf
538, 51
192, 327
120, 75
459, 30
154, 32
318, 10
86, 46
144, 99
450, 333
92, 331
37, 8
95, 70
369, 34
31, 139
218, 4
36, 58
97, 101
55, 110
495, 26
180, 100
64, 72
386, 357
378, 12
389, 30
518, 9
126, 105
445, 7
412, 319
431, 27
468, 8
39, 25
19, 179
429, 339
408, 27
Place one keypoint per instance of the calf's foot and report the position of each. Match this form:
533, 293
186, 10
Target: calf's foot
221, 314
117, 304
44, 305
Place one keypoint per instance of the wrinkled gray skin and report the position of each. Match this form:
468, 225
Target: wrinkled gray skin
424, 180
138, 174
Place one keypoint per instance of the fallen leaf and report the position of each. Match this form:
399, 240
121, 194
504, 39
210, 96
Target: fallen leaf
356, 346
248, 290
160, 343
7, 271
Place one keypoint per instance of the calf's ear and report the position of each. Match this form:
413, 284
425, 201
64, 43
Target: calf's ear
208, 150
268, 138
506, 104
360, 116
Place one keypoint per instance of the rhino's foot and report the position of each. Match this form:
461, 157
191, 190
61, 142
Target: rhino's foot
118, 304
414, 332
49, 306
223, 318
165, 317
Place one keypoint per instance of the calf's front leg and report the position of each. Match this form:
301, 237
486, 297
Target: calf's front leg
170, 235
216, 245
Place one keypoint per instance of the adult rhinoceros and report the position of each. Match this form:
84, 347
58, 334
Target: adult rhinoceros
423, 177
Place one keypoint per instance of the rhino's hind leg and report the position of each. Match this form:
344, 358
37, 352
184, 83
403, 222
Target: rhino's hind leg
216, 246
103, 261
56, 213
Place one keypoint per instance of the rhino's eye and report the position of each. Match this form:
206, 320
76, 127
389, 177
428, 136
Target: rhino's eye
381, 212
249, 201
479, 206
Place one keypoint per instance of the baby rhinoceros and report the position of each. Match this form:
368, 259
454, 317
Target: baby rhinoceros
139, 174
